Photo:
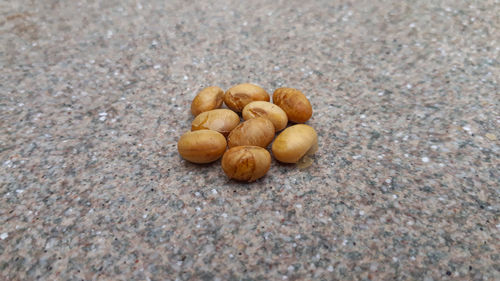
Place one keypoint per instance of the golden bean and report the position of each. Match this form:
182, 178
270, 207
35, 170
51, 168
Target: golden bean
203, 146
240, 95
246, 163
220, 120
207, 99
258, 132
294, 103
267, 110
295, 143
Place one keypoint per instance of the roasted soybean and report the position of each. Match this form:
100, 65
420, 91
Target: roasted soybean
294, 143
240, 95
203, 146
267, 110
294, 103
258, 132
220, 120
246, 163
207, 99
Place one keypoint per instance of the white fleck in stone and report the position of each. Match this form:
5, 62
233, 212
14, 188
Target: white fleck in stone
197, 194
362, 116
109, 34
412, 258
19, 191
297, 236
224, 215
4, 235
425, 159
284, 277
276, 68
394, 196
409, 86
291, 268
330, 268
298, 206
198, 208
103, 114
394, 259
157, 66
434, 147
20, 104
102, 118
498, 226
344, 242
361, 213
185, 77
145, 216
466, 128
139, 6
214, 191
231, 256
412, 25
388, 181
410, 223
373, 266
381, 93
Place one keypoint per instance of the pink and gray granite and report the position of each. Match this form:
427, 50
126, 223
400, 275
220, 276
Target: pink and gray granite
94, 95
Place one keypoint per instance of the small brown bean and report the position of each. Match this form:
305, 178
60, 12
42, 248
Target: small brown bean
294, 103
258, 132
267, 110
295, 143
220, 120
246, 163
207, 99
240, 95
203, 146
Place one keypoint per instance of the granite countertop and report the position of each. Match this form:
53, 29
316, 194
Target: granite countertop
95, 94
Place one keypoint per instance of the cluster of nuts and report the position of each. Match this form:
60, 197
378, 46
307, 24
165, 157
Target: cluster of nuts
214, 129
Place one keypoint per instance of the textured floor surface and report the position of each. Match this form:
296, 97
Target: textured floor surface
95, 94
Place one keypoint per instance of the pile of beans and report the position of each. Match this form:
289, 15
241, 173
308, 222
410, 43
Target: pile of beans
213, 130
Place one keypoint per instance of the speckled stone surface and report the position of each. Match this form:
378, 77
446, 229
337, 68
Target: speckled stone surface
95, 94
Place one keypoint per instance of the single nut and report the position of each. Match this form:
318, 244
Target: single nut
294, 103
220, 120
246, 163
203, 146
258, 132
207, 99
240, 95
267, 110
295, 144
